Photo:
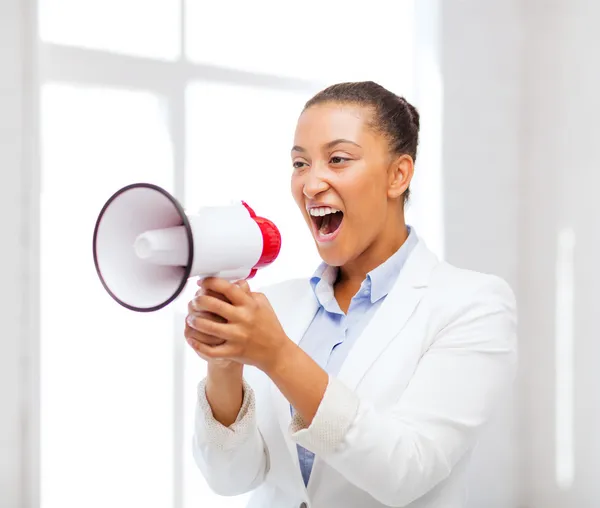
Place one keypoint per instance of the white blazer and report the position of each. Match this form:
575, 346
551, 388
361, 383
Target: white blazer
397, 426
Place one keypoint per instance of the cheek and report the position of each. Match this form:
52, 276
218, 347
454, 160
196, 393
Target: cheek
365, 198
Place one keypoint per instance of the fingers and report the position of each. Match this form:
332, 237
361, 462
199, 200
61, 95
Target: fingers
212, 353
209, 327
210, 307
214, 294
202, 350
208, 347
193, 336
243, 285
233, 292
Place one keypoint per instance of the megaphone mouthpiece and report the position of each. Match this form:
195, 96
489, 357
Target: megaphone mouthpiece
166, 246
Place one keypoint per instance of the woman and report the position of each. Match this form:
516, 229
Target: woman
366, 385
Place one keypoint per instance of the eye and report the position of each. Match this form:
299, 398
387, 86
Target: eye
299, 164
336, 159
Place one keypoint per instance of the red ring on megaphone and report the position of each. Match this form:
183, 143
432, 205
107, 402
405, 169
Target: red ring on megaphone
271, 242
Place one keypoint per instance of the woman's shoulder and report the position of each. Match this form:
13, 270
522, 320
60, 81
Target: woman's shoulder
465, 284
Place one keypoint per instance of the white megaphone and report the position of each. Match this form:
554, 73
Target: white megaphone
146, 247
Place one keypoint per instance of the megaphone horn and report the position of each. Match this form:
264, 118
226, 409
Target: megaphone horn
146, 248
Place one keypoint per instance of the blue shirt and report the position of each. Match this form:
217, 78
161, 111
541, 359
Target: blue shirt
332, 333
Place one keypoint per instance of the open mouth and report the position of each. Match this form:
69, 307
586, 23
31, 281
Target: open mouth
326, 221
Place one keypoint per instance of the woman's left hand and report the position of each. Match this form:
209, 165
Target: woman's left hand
252, 332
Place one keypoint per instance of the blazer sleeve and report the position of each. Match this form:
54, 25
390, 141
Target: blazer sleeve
233, 460
410, 448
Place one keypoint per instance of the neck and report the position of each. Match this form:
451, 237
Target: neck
355, 271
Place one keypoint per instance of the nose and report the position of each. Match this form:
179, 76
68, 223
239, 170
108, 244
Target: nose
314, 185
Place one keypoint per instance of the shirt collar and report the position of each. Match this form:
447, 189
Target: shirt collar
385, 275
378, 282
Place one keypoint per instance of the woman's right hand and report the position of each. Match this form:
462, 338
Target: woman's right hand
194, 337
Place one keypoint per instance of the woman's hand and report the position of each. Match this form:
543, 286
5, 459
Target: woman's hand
234, 325
198, 339
246, 331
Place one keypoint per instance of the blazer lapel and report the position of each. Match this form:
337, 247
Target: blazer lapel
391, 317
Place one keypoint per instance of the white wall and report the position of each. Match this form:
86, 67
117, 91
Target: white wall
559, 188
481, 45
10, 265
17, 227
521, 131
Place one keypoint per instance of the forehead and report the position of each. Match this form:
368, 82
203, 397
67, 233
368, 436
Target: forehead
324, 122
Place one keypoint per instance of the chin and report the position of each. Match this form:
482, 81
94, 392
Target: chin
332, 255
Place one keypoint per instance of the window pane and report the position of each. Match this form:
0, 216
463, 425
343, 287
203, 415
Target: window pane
134, 27
106, 380
315, 40
239, 140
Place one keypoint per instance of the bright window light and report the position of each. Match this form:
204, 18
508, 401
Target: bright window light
106, 380
132, 27
564, 344
314, 40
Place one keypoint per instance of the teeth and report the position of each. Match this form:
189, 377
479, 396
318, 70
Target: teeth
321, 211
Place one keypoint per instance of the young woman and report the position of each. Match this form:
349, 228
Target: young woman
366, 385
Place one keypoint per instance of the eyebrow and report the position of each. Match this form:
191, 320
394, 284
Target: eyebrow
329, 145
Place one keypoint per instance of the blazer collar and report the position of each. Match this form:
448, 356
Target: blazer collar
296, 305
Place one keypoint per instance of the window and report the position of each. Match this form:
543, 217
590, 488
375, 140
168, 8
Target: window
200, 98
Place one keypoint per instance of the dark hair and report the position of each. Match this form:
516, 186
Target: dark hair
393, 115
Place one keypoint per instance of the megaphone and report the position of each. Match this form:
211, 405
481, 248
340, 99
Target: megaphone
146, 247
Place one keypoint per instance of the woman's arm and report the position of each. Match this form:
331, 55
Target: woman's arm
225, 391
233, 459
399, 455
290, 370
227, 446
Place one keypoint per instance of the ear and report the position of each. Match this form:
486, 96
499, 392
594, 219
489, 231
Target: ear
400, 174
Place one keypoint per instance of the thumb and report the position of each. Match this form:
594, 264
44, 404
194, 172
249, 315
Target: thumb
243, 284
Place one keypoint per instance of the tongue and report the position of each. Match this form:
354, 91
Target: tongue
330, 223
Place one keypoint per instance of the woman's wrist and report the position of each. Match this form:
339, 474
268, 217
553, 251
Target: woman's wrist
299, 378
281, 359
224, 391
225, 370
